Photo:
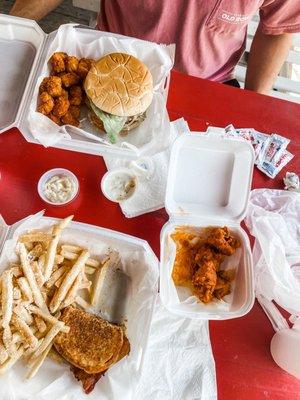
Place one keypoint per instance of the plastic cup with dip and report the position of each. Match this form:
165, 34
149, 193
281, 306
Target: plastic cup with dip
119, 184
58, 186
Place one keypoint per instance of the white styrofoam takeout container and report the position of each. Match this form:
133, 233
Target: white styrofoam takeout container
145, 259
209, 184
23, 49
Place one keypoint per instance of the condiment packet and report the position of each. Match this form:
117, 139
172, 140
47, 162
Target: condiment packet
272, 168
230, 131
275, 148
259, 142
245, 133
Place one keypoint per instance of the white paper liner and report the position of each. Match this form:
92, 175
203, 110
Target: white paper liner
183, 295
153, 134
56, 381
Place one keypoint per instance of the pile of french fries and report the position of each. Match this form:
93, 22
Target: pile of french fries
48, 277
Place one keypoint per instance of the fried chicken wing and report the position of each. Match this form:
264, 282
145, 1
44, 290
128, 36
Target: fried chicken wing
69, 119
69, 79
61, 106
57, 61
205, 280
223, 241
75, 95
84, 66
46, 103
71, 63
198, 261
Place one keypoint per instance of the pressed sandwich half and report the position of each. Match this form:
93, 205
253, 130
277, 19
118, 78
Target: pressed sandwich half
91, 346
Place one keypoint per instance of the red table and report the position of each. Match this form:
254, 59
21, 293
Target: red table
245, 369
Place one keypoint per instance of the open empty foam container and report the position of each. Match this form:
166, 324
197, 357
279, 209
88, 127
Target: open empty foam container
208, 185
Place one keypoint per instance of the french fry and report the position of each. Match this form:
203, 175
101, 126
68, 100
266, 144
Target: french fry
71, 248
48, 339
59, 281
3, 354
42, 327
51, 251
89, 270
73, 256
35, 237
22, 312
55, 276
82, 303
47, 317
69, 278
37, 273
7, 340
58, 259
70, 297
96, 288
38, 363
41, 261
36, 252
37, 295
17, 293
25, 289
16, 270
12, 360
25, 331
7, 297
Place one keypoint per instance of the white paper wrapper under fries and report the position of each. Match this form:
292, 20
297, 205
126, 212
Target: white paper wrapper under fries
43, 271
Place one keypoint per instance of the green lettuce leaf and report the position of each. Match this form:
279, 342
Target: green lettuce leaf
113, 124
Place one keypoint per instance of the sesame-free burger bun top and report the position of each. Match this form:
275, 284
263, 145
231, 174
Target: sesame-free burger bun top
120, 84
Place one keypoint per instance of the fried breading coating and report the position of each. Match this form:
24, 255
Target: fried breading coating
53, 86
61, 106
75, 111
46, 103
223, 241
71, 63
69, 79
69, 119
64, 93
43, 85
54, 118
57, 61
75, 95
205, 280
84, 66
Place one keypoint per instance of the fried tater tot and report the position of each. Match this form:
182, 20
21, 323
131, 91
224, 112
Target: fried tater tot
53, 86
75, 95
57, 61
69, 79
43, 85
69, 119
47, 103
64, 93
71, 64
84, 67
54, 118
75, 111
61, 106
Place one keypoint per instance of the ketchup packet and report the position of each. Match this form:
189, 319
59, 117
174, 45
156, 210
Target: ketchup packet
272, 168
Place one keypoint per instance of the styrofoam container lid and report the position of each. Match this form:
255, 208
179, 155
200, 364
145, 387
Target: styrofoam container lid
209, 175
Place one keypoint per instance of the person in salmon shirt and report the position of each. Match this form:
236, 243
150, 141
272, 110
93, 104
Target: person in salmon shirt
210, 35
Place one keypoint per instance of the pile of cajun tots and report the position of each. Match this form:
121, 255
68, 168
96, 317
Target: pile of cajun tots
62, 93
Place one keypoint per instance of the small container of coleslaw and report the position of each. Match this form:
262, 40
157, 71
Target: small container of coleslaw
58, 186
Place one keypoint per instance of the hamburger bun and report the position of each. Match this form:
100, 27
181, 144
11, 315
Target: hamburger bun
120, 84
